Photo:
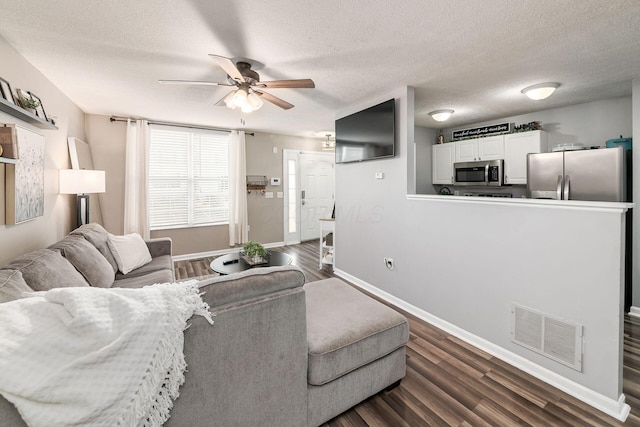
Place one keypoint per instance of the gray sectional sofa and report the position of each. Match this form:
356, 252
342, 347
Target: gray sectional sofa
280, 353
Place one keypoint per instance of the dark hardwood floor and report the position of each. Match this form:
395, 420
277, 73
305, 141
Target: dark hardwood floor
451, 383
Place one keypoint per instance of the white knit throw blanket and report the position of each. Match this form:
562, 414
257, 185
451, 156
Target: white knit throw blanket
96, 357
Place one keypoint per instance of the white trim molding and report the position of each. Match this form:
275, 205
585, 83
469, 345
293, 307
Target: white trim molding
634, 311
615, 408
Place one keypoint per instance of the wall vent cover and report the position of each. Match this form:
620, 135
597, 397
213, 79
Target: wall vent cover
550, 336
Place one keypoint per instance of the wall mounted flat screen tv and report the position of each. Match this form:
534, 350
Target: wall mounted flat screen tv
367, 135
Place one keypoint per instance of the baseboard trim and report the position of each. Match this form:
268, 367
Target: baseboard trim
634, 311
187, 257
615, 408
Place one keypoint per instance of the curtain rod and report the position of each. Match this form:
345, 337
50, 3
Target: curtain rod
124, 119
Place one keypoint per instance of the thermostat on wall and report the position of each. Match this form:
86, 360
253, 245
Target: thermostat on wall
275, 181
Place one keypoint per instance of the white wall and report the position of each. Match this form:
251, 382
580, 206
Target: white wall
635, 278
424, 140
59, 210
108, 142
466, 263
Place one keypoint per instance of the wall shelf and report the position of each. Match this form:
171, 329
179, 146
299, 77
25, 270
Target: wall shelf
24, 115
256, 182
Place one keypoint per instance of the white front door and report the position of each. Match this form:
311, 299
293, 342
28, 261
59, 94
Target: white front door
316, 192
308, 193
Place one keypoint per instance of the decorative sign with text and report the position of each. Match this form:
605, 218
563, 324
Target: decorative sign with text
481, 131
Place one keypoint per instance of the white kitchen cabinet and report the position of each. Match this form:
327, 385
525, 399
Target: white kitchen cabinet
516, 148
488, 148
442, 163
466, 151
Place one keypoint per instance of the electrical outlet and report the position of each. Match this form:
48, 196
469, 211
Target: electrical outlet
388, 262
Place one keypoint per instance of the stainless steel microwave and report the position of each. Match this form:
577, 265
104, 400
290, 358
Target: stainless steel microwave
484, 173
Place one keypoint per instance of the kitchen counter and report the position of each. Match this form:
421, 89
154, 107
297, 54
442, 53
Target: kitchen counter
480, 256
619, 207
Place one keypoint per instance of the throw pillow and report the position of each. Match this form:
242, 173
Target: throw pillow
45, 269
12, 285
130, 251
95, 234
87, 260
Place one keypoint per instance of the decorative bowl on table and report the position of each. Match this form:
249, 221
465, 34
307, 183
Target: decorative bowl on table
255, 260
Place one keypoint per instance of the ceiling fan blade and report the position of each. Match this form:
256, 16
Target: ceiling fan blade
192, 82
221, 102
228, 67
274, 100
300, 83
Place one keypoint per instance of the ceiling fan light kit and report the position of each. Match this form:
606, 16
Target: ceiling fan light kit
248, 94
441, 115
540, 91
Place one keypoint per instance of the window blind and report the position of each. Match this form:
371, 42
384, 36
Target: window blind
188, 177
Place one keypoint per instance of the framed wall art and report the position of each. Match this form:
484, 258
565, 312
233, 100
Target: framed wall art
6, 92
81, 158
24, 181
39, 109
20, 95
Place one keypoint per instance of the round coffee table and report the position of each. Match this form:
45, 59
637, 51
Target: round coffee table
232, 263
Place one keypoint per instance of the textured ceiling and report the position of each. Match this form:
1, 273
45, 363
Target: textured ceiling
471, 56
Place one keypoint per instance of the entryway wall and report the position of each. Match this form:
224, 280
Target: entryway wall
309, 189
107, 142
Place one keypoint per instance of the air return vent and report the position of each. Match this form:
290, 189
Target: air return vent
552, 337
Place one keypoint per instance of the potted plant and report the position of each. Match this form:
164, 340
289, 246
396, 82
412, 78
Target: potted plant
30, 104
254, 253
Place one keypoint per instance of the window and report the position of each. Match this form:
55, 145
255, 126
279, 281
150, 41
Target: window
188, 177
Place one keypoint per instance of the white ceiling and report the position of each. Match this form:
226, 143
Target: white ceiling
471, 56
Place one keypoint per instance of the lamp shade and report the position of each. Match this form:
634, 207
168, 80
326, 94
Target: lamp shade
81, 181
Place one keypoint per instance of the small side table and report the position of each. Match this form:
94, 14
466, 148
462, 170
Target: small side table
327, 225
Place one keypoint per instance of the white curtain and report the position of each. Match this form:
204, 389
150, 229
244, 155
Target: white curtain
238, 217
136, 183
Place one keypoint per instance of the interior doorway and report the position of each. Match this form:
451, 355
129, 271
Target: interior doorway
309, 193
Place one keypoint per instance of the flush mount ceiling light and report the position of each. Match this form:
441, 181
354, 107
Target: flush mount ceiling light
328, 144
540, 91
441, 115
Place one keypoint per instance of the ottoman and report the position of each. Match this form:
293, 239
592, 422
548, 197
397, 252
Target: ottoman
356, 348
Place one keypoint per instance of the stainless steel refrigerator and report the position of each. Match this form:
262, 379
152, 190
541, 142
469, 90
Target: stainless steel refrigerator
598, 174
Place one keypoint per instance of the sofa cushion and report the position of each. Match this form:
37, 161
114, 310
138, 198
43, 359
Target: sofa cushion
159, 263
130, 251
160, 276
222, 292
87, 260
346, 329
45, 269
12, 285
96, 235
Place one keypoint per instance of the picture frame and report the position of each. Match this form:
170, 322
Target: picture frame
20, 94
24, 180
6, 92
40, 110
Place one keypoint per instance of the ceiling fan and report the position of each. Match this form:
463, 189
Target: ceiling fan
248, 92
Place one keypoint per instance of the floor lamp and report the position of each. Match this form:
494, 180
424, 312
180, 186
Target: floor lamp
82, 182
